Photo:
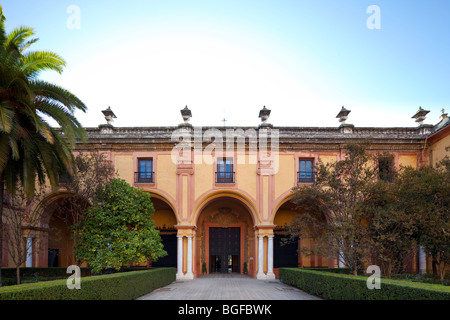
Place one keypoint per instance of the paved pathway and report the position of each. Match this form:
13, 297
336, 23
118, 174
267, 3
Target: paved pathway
227, 287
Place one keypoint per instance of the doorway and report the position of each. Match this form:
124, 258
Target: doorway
170, 246
224, 249
53, 257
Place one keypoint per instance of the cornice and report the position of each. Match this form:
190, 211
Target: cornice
289, 138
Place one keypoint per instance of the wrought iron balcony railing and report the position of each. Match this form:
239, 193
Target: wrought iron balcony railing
144, 177
305, 177
224, 177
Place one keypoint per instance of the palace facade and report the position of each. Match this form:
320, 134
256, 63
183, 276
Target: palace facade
221, 194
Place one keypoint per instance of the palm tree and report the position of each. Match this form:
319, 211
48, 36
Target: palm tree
31, 151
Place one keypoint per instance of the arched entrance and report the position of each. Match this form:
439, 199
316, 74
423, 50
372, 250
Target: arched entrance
225, 237
165, 221
53, 244
293, 252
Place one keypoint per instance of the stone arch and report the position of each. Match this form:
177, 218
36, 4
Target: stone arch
224, 233
291, 255
165, 220
53, 244
157, 194
281, 200
161, 203
211, 196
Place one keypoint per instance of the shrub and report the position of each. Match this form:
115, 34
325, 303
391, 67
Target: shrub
117, 286
49, 272
348, 287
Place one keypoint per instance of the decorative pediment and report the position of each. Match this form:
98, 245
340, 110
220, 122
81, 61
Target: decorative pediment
224, 216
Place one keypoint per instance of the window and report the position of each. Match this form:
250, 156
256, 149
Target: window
64, 178
225, 172
386, 168
306, 172
145, 173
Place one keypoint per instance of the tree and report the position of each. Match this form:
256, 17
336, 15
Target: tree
16, 215
390, 224
92, 173
31, 151
333, 202
118, 229
427, 191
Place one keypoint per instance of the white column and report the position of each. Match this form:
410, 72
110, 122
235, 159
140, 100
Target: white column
260, 274
189, 274
341, 263
270, 274
29, 248
180, 257
422, 261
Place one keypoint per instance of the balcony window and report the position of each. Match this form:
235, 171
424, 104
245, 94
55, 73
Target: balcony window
225, 173
306, 171
145, 173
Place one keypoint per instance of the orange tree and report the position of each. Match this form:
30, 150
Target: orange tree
118, 229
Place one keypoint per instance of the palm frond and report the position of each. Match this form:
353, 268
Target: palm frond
4, 151
57, 93
16, 39
72, 129
2, 28
27, 45
6, 117
37, 61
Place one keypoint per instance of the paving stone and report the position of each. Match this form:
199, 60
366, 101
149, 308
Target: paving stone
227, 287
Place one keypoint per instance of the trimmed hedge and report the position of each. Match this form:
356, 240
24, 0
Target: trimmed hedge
117, 286
348, 287
42, 272
38, 274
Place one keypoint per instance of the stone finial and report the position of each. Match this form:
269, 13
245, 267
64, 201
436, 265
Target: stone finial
343, 115
420, 115
443, 115
109, 115
264, 114
187, 115
444, 120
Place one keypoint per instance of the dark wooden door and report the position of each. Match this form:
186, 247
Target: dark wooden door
224, 249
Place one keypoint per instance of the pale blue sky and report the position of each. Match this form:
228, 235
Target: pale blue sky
301, 59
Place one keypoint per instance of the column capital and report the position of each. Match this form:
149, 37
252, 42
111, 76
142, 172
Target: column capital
185, 230
265, 230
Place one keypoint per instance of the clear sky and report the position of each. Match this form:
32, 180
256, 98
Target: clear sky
301, 59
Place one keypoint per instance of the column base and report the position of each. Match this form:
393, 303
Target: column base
186, 276
264, 276
270, 276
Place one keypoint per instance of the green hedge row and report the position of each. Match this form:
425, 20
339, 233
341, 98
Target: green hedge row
49, 272
117, 286
348, 287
